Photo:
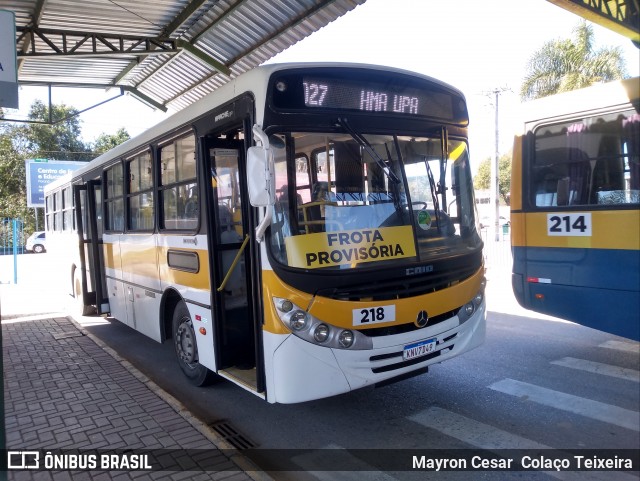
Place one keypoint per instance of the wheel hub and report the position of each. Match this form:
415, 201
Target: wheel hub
186, 342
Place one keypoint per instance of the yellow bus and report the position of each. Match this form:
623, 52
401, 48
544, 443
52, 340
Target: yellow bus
303, 231
575, 207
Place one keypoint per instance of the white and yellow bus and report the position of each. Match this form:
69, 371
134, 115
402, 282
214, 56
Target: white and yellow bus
303, 231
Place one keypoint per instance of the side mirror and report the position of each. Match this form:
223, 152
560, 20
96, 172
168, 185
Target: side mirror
260, 176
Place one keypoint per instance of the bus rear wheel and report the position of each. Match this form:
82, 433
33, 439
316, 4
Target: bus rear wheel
77, 293
184, 343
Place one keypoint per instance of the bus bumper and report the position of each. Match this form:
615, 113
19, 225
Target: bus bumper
301, 371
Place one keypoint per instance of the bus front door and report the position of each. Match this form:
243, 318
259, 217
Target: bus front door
89, 278
231, 265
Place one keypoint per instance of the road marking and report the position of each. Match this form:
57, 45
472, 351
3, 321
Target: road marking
567, 402
599, 368
484, 436
633, 347
315, 461
471, 431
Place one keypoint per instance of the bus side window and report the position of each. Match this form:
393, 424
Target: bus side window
593, 161
303, 182
114, 200
178, 189
140, 192
615, 175
631, 138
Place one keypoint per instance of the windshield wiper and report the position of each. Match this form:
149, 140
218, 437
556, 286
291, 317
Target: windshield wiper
364, 143
434, 194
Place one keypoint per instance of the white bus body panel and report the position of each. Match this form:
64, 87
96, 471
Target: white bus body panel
306, 371
201, 318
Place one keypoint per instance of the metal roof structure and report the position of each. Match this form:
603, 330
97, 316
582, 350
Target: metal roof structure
621, 16
167, 53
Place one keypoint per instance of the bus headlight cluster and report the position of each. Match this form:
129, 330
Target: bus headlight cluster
472, 306
307, 327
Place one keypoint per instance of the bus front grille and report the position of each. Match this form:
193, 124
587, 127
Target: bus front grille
393, 361
399, 288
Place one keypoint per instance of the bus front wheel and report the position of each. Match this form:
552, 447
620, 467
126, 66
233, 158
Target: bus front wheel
184, 342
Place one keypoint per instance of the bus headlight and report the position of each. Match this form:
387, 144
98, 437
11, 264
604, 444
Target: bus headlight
298, 320
346, 338
466, 311
285, 305
321, 333
478, 299
313, 330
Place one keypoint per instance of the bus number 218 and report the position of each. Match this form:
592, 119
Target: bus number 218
373, 315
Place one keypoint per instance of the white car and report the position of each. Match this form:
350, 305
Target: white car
36, 242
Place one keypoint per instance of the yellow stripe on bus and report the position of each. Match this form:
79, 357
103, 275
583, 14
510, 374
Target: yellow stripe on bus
151, 262
332, 311
617, 229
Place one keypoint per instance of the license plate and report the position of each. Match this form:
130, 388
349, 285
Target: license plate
418, 349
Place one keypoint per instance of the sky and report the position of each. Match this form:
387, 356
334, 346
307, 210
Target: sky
477, 46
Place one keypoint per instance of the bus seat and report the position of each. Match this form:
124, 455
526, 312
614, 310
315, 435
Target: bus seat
191, 208
321, 193
313, 212
225, 220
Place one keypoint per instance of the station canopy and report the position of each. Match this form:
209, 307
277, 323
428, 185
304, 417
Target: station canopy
167, 53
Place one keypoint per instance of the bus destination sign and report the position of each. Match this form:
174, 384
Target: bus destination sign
330, 93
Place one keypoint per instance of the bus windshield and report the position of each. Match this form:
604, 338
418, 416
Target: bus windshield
352, 200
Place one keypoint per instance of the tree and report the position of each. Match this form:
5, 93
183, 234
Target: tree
482, 179
13, 192
570, 64
60, 140
106, 142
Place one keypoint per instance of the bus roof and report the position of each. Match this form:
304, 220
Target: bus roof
603, 95
254, 81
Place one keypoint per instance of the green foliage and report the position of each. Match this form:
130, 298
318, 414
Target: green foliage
570, 64
106, 142
61, 140
13, 197
482, 179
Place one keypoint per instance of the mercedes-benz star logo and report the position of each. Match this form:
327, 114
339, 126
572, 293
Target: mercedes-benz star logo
422, 319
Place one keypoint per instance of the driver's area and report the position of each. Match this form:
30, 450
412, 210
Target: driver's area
350, 184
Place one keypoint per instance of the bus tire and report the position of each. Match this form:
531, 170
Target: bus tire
184, 343
77, 293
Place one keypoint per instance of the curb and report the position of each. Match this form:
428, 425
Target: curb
244, 463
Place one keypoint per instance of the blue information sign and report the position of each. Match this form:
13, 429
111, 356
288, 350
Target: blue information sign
41, 172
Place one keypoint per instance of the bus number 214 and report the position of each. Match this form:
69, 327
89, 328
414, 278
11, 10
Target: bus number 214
568, 224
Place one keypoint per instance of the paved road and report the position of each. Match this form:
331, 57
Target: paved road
537, 383
533, 385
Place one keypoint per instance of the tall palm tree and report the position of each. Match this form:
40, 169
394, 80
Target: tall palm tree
563, 65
